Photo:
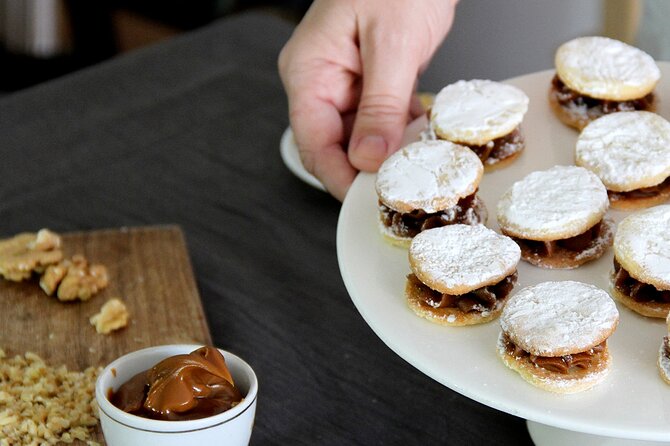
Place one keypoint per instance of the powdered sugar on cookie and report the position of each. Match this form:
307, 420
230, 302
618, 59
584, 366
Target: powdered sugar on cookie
428, 175
477, 111
557, 318
627, 150
557, 203
605, 68
462, 257
642, 245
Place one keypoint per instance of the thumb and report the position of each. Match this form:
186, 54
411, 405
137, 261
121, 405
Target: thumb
389, 73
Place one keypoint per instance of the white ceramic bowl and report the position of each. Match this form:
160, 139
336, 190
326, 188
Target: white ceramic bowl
230, 428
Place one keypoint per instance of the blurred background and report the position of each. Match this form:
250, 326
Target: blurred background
44, 39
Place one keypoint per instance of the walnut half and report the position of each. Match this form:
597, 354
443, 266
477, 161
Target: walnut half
74, 279
28, 252
113, 315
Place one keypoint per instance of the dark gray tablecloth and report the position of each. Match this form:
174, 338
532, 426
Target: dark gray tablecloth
187, 132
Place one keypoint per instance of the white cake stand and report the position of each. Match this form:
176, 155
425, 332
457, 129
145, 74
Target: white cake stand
632, 404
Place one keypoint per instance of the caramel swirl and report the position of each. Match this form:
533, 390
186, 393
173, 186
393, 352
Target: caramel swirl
638, 291
572, 364
181, 387
409, 224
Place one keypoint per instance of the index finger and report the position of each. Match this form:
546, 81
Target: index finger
319, 132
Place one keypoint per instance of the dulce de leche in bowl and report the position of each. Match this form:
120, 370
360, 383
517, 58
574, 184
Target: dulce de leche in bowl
177, 395
180, 387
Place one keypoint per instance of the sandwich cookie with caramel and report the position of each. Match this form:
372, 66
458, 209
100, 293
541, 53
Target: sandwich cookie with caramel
461, 274
630, 153
557, 216
641, 276
596, 76
554, 334
663, 362
426, 185
483, 115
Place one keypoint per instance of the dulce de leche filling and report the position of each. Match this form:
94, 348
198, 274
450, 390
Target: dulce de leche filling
578, 243
500, 148
468, 210
573, 365
593, 107
642, 193
638, 291
480, 300
181, 387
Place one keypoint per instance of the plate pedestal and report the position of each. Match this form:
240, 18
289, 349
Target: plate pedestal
544, 435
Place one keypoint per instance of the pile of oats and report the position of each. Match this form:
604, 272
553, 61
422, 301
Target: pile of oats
42, 405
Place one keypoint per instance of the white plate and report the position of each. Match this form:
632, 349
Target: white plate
289, 153
291, 157
633, 402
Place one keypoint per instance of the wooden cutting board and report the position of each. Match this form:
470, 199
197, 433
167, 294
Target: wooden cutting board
149, 269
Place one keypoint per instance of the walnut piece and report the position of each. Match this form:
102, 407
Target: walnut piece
74, 279
113, 315
45, 405
28, 252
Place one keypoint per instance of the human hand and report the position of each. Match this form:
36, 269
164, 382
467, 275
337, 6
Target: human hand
350, 70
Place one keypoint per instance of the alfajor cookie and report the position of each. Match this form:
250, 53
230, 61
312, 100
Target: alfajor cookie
663, 362
554, 334
483, 115
630, 153
641, 276
425, 185
461, 274
557, 216
596, 76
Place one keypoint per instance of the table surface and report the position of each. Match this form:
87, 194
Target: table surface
187, 132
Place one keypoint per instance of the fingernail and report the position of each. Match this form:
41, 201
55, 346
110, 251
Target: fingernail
371, 147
